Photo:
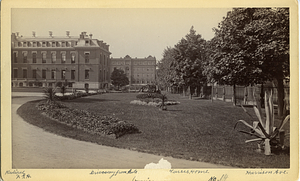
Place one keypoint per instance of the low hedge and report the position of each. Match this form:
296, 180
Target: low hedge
84, 120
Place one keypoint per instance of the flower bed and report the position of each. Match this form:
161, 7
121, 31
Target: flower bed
84, 120
77, 94
154, 103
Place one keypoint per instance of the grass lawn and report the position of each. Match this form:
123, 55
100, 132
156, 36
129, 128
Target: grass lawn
194, 129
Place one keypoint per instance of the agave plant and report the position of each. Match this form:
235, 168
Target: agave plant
264, 129
49, 93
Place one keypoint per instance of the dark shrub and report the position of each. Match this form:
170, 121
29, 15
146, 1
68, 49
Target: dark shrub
86, 120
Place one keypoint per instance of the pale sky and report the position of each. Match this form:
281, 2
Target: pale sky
134, 32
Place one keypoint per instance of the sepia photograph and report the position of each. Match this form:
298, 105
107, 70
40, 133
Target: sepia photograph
121, 92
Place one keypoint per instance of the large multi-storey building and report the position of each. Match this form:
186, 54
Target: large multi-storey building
46, 61
138, 70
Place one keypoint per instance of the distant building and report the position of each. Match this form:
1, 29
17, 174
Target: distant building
47, 61
138, 70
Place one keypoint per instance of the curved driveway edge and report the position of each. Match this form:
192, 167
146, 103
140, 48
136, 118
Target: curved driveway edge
33, 148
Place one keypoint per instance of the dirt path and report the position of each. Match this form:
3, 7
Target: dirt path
32, 148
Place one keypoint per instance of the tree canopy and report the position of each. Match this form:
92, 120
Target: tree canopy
119, 78
251, 45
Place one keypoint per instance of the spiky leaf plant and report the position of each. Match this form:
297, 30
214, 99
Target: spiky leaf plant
264, 129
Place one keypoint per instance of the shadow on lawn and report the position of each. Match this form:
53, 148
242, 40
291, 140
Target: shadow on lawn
90, 100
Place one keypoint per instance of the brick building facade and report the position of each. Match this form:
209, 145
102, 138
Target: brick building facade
138, 70
47, 61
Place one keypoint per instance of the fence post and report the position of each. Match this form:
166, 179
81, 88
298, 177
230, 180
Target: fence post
245, 95
212, 93
223, 97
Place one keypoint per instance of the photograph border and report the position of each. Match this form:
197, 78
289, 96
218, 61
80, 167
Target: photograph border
8, 173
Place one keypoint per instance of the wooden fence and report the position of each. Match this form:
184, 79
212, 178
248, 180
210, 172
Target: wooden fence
225, 93
245, 94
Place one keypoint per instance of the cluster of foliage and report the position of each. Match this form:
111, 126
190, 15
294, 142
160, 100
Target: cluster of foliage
149, 96
119, 78
84, 120
183, 65
263, 129
49, 93
250, 46
149, 88
155, 102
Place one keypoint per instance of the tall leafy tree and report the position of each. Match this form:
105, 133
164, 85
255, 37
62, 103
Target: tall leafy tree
166, 75
251, 45
189, 58
119, 78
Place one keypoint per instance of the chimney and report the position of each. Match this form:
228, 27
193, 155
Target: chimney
50, 34
33, 33
68, 33
91, 35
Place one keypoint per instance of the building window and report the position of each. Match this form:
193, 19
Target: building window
70, 84
33, 57
53, 74
43, 57
72, 74
53, 57
44, 74
25, 57
87, 42
63, 74
87, 74
44, 44
34, 44
34, 74
15, 73
15, 57
25, 73
24, 44
63, 57
53, 44
73, 58
87, 57
63, 44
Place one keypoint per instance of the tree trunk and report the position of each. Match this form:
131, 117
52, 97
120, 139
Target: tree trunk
198, 90
234, 95
183, 91
280, 93
191, 92
212, 93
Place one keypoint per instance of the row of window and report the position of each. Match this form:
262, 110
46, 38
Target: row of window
53, 74
143, 75
143, 69
45, 44
44, 57
135, 69
53, 57
142, 81
135, 63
